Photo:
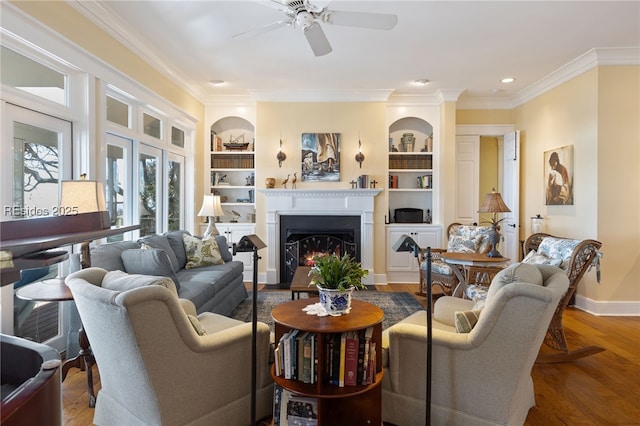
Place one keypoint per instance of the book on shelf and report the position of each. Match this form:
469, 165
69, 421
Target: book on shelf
351, 359
341, 360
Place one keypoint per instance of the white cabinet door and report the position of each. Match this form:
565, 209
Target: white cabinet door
403, 266
234, 232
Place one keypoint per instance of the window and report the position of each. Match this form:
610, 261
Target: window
149, 185
118, 180
118, 112
152, 126
30, 76
175, 198
177, 137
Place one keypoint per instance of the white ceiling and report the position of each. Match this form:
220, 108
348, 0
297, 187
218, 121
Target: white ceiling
461, 47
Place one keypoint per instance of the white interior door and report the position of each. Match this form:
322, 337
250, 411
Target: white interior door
467, 178
511, 196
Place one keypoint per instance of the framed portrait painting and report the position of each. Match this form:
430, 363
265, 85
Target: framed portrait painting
558, 174
320, 157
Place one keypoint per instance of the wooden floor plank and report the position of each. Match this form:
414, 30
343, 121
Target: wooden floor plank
603, 389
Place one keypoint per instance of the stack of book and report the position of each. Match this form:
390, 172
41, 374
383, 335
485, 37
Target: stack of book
350, 357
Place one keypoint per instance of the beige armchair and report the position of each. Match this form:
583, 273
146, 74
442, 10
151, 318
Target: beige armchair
155, 366
482, 377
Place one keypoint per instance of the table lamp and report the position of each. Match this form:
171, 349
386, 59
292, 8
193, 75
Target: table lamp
493, 203
211, 208
84, 201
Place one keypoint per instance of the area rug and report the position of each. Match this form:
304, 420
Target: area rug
395, 305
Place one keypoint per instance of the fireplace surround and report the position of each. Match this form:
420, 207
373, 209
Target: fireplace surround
332, 203
303, 236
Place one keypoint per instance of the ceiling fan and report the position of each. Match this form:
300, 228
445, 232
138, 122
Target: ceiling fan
303, 14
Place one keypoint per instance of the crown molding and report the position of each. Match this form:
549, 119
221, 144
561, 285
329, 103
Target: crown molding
321, 95
95, 12
580, 65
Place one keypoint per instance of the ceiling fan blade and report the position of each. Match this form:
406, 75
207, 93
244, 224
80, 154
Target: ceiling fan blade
376, 21
317, 40
265, 29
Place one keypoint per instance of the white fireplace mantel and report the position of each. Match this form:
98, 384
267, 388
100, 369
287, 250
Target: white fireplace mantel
355, 202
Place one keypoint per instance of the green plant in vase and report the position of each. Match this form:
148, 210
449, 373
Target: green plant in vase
336, 278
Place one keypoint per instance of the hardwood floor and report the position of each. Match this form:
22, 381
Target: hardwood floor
603, 389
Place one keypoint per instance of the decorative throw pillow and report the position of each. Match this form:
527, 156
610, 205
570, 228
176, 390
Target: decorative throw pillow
458, 244
201, 252
533, 258
149, 261
195, 323
161, 242
466, 320
122, 281
558, 248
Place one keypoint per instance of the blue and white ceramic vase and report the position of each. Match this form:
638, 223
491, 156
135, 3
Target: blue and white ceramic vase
334, 301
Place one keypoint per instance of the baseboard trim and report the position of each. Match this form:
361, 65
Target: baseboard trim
608, 308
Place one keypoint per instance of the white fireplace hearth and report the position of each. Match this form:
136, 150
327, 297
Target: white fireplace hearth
336, 202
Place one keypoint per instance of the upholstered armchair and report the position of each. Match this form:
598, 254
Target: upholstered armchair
460, 238
159, 362
481, 376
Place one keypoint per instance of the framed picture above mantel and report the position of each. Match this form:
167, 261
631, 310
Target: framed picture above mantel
320, 157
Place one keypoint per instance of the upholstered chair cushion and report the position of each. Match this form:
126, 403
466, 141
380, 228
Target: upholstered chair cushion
534, 258
516, 272
460, 244
149, 262
121, 281
558, 248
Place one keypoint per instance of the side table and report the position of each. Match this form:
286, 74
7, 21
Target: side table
462, 262
336, 405
55, 290
300, 282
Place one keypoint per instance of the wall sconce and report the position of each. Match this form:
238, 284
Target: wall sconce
281, 156
360, 155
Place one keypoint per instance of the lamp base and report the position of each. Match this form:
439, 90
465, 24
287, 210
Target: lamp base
211, 229
494, 253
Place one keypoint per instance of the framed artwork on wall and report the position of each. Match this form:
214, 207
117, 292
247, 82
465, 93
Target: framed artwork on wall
558, 172
320, 157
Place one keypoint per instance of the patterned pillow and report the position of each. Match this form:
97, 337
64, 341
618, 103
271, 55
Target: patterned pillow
460, 244
558, 248
195, 323
534, 258
201, 253
466, 320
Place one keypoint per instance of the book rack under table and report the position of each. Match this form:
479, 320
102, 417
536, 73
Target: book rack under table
353, 405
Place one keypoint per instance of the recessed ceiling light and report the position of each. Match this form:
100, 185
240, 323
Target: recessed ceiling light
217, 82
421, 82
508, 80
495, 91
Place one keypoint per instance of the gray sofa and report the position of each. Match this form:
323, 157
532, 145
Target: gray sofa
214, 288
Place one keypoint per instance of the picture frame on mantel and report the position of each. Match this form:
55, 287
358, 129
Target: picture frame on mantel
320, 157
558, 174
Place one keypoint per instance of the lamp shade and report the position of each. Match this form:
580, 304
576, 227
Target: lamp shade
493, 203
82, 196
211, 206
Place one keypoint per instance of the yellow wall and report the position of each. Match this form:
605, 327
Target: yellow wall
596, 112
353, 120
484, 116
618, 186
66, 21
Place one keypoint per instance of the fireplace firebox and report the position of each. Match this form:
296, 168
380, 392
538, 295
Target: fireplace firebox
304, 236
